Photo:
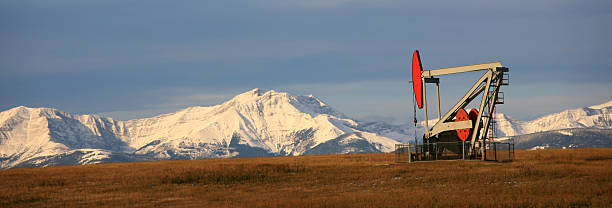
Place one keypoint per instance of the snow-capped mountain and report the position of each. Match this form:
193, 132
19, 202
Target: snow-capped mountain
251, 124
565, 138
27, 133
254, 123
275, 122
598, 116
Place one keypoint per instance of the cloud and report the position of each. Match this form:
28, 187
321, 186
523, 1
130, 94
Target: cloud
128, 56
112, 56
245, 50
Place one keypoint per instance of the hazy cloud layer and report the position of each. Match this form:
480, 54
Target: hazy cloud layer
158, 56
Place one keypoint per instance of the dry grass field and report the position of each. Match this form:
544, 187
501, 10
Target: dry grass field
543, 178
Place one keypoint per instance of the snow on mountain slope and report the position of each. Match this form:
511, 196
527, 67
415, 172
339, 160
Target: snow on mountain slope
36, 132
273, 121
252, 123
599, 116
24, 134
602, 106
565, 138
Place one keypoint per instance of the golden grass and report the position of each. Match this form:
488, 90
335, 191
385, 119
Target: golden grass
543, 178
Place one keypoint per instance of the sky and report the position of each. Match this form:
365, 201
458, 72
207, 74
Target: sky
132, 59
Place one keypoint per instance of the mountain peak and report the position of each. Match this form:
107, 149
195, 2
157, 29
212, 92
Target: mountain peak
601, 106
257, 94
20, 108
253, 92
24, 110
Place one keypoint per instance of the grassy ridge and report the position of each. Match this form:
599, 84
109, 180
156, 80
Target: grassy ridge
579, 177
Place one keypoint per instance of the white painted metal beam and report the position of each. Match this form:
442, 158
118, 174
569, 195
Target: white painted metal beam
453, 125
460, 69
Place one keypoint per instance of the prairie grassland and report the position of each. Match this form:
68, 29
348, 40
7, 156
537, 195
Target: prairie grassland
543, 178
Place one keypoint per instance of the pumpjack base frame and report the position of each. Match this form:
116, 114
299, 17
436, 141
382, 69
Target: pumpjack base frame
445, 151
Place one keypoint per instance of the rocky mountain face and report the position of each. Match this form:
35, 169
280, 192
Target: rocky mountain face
254, 123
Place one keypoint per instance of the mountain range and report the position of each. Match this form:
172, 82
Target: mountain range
254, 123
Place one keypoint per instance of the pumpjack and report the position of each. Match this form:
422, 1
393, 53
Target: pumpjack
458, 125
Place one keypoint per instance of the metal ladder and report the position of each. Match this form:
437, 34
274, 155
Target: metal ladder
492, 132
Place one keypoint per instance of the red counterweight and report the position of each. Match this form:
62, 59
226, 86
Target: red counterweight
464, 134
417, 69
